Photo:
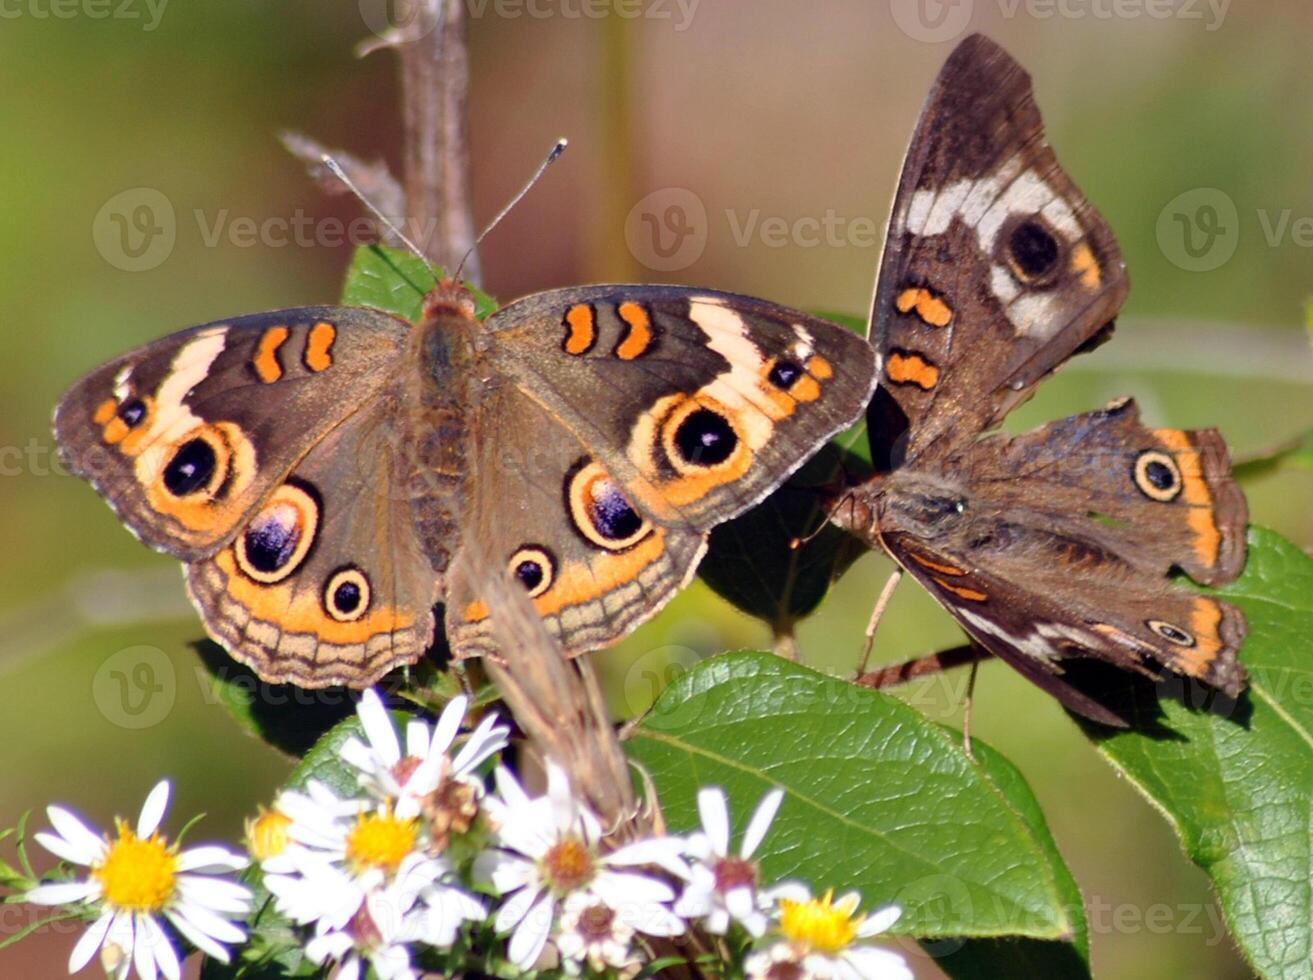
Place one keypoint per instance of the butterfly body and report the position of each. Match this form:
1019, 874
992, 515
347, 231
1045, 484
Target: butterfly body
1055, 546
321, 470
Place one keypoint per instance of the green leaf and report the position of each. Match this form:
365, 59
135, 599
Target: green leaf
290, 718
1236, 781
396, 281
877, 798
751, 560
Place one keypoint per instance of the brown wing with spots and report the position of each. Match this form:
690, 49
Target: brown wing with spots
996, 268
185, 437
698, 403
327, 582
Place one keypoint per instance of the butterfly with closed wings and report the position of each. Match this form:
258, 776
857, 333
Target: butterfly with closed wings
1055, 546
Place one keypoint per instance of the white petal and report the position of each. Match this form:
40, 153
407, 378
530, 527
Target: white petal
444, 733
509, 788
871, 963
376, 721
216, 894
417, 739
356, 753
739, 902
617, 888
794, 891
717, 922
350, 970
755, 923
488, 739
879, 921
661, 851
713, 810
90, 942
515, 908
60, 847
211, 856
564, 806
531, 935
81, 840
197, 938
761, 821
143, 955
214, 926
152, 811
62, 892
152, 936
330, 946
695, 902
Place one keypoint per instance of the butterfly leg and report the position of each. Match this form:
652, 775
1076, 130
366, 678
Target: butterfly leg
886, 594
966, 710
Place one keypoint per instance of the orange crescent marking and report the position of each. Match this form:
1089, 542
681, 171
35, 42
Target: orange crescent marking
934, 566
105, 411
1205, 620
929, 307
265, 362
638, 338
971, 595
319, 346
911, 369
1197, 496
476, 611
579, 582
583, 329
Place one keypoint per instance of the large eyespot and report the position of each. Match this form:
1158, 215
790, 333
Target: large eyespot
1170, 633
697, 437
347, 594
198, 464
1032, 251
600, 510
535, 568
1157, 475
277, 540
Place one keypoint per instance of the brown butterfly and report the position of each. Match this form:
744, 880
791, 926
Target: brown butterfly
321, 470
1058, 544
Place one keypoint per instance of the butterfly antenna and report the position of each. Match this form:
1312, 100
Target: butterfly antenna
556, 151
341, 175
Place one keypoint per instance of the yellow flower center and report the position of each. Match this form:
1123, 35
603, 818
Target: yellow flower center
137, 875
266, 834
379, 840
818, 924
567, 865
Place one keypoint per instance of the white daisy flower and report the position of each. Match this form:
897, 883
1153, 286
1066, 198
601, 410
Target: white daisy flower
549, 851
593, 933
825, 939
724, 886
780, 962
427, 777
136, 878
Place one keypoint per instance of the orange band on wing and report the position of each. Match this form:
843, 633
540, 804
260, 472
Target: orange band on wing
638, 338
579, 583
971, 595
1205, 624
929, 307
1086, 266
911, 369
1197, 496
266, 364
319, 346
934, 566
582, 329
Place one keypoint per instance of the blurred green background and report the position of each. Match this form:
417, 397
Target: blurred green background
763, 108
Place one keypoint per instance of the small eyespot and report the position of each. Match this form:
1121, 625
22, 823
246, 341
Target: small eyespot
535, 568
1170, 633
600, 510
347, 594
1157, 476
1032, 251
785, 373
191, 468
704, 438
132, 412
278, 538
